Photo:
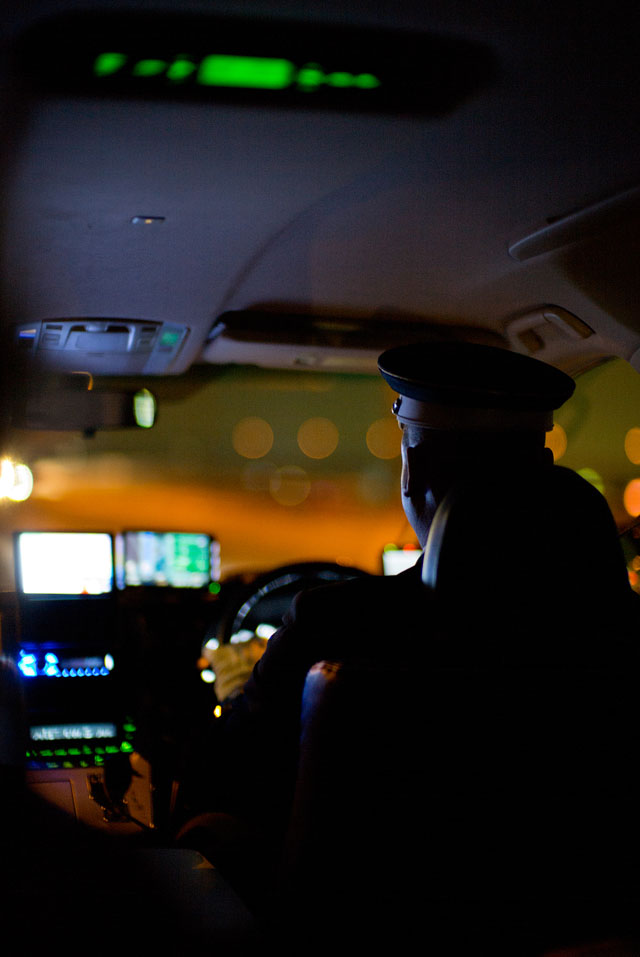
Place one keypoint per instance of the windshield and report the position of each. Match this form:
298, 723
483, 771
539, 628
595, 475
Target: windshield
285, 466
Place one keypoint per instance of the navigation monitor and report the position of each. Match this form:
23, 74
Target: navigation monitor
396, 559
67, 564
169, 559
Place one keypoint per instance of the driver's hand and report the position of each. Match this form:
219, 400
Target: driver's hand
233, 664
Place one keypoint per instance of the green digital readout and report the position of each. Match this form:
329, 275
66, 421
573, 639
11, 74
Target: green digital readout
245, 61
240, 72
107, 63
252, 72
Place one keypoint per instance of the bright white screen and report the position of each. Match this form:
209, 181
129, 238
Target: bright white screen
65, 563
399, 559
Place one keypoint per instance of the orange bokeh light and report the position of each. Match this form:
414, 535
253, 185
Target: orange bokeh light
383, 438
318, 438
557, 442
631, 498
632, 445
252, 438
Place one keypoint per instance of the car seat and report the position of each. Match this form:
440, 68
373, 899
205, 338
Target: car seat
490, 806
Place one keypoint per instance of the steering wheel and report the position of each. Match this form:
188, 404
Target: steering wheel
264, 600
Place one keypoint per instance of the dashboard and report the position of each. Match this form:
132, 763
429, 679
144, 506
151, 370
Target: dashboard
108, 634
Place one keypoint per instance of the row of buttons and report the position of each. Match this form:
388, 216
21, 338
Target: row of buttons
80, 756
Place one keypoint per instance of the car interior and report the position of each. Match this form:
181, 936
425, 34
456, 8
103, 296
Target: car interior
216, 216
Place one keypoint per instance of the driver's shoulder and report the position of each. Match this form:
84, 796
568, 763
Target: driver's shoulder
363, 596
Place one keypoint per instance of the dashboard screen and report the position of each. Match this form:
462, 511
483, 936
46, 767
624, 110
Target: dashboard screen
64, 563
73, 732
396, 560
169, 559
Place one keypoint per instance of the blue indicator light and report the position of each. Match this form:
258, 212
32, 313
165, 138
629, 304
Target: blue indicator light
28, 665
49, 666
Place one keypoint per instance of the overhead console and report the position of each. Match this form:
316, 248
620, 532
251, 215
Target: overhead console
67, 345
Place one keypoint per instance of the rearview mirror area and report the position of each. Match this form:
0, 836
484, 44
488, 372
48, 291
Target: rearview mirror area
71, 404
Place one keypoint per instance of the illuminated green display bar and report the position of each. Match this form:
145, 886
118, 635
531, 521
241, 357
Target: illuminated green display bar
248, 72
180, 56
231, 71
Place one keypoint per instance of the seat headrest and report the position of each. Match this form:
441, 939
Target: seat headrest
534, 552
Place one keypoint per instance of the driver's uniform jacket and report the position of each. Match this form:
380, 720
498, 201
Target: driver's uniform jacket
398, 623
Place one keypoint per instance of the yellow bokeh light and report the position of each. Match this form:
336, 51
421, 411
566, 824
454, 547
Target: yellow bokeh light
318, 438
557, 442
252, 438
632, 445
290, 486
383, 438
594, 478
631, 498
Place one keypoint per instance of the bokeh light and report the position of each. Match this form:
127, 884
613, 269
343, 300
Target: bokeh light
594, 478
290, 486
318, 438
377, 485
252, 437
144, 408
557, 441
384, 438
632, 445
631, 498
257, 476
16, 481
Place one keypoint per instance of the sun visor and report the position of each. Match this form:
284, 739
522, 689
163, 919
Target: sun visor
323, 343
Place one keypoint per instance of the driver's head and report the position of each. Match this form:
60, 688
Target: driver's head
465, 410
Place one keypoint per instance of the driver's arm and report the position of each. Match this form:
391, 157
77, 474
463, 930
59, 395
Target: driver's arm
256, 751
233, 664
271, 672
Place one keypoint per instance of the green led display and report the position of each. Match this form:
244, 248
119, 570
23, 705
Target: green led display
149, 67
366, 81
180, 69
108, 63
340, 78
182, 56
170, 337
235, 72
248, 72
